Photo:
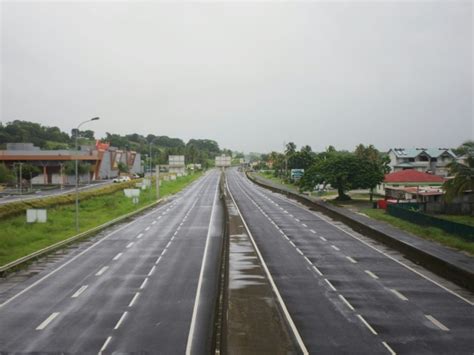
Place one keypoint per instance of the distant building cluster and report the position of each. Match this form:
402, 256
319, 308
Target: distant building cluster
428, 160
103, 159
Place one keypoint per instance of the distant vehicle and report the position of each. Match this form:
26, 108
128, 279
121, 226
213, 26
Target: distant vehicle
135, 176
121, 179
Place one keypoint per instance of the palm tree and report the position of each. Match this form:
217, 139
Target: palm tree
462, 180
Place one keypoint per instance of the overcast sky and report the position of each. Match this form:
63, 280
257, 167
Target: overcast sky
249, 75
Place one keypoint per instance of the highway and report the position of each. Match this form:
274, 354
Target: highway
343, 295
149, 286
50, 193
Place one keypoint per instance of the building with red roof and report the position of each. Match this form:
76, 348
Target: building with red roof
409, 178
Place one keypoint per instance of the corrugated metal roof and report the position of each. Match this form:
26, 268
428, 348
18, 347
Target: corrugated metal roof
412, 176
414, 152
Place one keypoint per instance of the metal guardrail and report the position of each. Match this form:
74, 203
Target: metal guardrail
26, 259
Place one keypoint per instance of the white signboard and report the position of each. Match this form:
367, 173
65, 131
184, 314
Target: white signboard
176, 161
223, 161
131, 192
36, 215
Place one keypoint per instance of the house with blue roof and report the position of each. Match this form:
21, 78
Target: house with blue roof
428, 160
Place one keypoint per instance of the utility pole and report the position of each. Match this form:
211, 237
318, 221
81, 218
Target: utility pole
151, 160
77, 168
21, 179
157, 182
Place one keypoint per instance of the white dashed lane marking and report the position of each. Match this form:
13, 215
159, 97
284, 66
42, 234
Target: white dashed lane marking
437, 323
78, 292
101, 271
116, 257
120, 320
371, 274
48, 320
399, 295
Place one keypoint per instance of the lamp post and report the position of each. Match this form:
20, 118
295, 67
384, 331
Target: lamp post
76, 168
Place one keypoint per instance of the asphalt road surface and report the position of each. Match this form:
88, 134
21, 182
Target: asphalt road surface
344, 295
49, 193
149, 286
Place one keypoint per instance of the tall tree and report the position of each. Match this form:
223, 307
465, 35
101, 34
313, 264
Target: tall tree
462, 179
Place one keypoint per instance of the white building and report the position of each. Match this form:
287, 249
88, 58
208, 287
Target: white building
427, 160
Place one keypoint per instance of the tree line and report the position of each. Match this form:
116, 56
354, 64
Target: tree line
364, 168
153, 148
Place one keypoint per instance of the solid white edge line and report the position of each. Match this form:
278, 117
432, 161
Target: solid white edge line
134, 299
367, 324
48, 320
78, 292
346, 302
389, 348
324, 218
272, 282
120, 320
79, 255
330, 284
437, 323
107, 341
189, 343
318, 271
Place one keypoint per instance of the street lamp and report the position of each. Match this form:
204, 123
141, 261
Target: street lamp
77, 177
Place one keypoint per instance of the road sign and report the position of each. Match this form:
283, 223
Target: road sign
296, 174
223, 161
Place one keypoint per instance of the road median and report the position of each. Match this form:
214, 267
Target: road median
250, 309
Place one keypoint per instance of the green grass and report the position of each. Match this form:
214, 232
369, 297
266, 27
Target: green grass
269, 176
468, 220
18, 238
425, 232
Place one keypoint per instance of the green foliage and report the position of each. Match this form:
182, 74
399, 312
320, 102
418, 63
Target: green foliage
6, 176
464, 149
28, 171
82, 168
365, 169
122, 167
19, 238
24, 131
425, 232
463, 178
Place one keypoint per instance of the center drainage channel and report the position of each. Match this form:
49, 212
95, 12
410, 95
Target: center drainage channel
253, 321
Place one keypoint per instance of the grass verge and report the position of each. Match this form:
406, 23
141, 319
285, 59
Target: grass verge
425, 232
18, 238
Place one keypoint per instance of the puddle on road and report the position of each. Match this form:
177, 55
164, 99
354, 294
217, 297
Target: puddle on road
254, 322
